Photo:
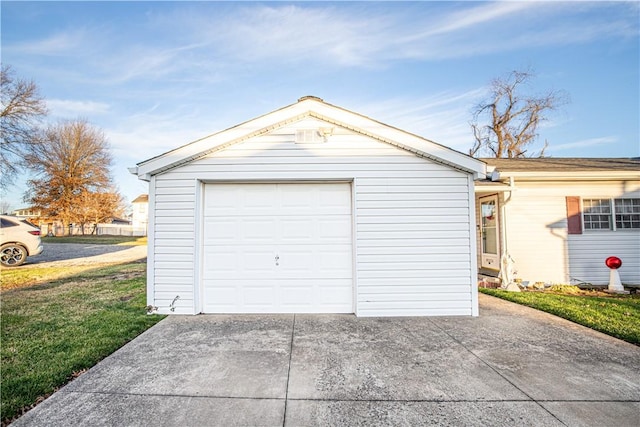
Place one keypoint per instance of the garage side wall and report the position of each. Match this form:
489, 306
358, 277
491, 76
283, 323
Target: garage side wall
413, 243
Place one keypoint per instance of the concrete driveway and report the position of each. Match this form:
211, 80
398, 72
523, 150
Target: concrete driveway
72, 254
512, 366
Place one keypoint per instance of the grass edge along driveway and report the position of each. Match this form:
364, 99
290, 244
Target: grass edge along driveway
618, 316
52, 332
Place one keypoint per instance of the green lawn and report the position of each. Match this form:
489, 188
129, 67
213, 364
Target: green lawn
98, 240
618, 316
11, 278
52, 332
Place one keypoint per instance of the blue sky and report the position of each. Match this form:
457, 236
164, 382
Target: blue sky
157, 75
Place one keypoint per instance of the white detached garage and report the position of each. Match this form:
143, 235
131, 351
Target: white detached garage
312, 209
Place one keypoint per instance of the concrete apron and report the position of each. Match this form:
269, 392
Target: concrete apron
512, 366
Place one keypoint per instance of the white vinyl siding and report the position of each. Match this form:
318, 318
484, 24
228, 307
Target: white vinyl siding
536, 233
537, 238
588, 252
411, 219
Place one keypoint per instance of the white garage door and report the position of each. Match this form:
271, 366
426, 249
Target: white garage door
277, 248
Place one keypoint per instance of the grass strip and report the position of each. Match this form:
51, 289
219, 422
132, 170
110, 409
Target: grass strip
52, 332
618, 316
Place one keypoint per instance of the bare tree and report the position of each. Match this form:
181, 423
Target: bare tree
71, 162
22, 109
5, 207
506, 124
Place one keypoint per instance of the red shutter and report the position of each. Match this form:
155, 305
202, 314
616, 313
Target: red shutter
574, 220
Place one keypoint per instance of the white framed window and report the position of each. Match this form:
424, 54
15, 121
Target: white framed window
627, 213
611, 214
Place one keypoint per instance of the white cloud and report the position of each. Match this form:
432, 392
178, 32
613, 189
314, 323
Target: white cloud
61, 43
150, 133
68, 108
442, 117
213, 41
320, 35
582, 144
461, 20
330, 36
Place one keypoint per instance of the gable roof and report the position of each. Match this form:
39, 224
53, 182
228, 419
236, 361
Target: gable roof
309, 107
550, 168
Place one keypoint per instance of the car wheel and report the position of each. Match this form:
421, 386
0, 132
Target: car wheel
12, 255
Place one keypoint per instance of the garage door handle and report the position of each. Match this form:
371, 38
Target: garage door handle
277, 258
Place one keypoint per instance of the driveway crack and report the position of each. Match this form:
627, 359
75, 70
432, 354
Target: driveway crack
496, 371
286, 396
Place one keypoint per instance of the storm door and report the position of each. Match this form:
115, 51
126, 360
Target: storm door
489, 233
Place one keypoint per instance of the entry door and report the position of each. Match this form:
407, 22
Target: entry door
277, 248
489, 232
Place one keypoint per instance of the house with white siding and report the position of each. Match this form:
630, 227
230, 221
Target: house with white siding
556, 220
140, 212
312, 208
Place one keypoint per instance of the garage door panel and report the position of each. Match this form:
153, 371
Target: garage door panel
336, 295
335, 229
220, 231
296, 229
258, 260
257, 231
277, 248
217, 262
338, 259
256, 197
226, 295
237, 262
314, 230
296, 263
315, 261
279, 296
260, 296
296, 296
221, 200
333, 200
297, 199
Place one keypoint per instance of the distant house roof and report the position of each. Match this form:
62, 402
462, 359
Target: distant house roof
564, 164
143, 198
562, 169
115, 220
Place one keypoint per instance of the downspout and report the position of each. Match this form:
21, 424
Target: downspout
506, 262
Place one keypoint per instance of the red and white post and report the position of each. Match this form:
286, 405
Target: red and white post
615, 285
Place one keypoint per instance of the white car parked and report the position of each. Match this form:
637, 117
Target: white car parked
20, 239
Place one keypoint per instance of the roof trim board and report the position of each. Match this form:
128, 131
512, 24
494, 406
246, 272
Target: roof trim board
570, 176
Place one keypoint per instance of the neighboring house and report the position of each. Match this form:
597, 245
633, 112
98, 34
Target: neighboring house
312, 208
27, 213
556, 220
54, 227
140, 214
